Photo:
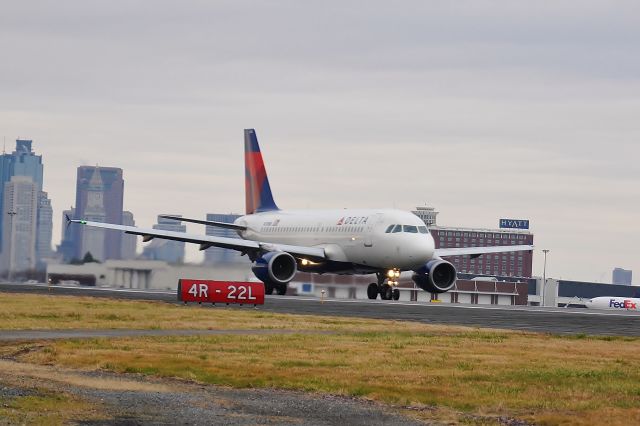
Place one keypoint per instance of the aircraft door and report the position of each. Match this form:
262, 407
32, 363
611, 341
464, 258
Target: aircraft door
371, 226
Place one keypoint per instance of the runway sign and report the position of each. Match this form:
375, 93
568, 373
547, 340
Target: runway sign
220, 292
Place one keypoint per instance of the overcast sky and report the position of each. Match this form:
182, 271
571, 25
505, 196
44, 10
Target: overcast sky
482, 109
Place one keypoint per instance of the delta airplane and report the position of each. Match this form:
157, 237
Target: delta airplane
280, 243
625, 303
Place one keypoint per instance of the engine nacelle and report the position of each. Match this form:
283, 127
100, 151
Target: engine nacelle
436, 276
275, 268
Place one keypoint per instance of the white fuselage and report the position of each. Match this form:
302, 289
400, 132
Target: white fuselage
359, 237
620, 303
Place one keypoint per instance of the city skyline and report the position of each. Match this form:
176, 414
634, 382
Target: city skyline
483, 112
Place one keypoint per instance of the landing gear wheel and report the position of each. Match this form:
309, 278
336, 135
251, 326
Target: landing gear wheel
372, 291
268, 289
282, 289
396, 294
385, 292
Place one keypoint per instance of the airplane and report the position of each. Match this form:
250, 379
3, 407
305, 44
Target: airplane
605, 302
280, 242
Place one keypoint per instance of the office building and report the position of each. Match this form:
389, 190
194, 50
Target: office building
167, 250
214, 255
21, 162
99, 194
44, 229
93, 239
621, 276
129, 242
20, 200
66, 248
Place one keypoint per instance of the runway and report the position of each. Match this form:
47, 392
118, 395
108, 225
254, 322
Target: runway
546, 320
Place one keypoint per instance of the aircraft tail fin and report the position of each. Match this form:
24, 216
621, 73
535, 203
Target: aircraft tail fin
257, 190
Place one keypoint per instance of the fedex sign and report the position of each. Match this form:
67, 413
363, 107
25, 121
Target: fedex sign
624, 304
514, 223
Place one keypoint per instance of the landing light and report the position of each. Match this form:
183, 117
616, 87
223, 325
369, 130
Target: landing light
391, 273
304, 262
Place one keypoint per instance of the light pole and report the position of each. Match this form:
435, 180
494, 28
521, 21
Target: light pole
9, 266
544, 274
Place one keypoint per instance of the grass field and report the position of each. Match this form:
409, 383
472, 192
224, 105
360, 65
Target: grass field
456, 374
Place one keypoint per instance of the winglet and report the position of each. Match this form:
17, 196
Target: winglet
257, 189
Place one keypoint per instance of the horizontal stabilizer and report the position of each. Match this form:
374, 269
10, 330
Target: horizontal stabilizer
207, 222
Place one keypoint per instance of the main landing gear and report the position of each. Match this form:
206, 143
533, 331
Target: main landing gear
281, 289
388, 290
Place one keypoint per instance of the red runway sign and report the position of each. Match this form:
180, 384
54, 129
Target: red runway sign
221, 292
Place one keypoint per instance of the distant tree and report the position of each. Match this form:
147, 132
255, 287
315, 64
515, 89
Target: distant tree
88, 258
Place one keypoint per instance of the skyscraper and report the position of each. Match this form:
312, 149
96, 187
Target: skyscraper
19, 222
66, 248
93, 239
104, 188
622, 276
44, 229
21, 162
214, 255
167, 250
129, 242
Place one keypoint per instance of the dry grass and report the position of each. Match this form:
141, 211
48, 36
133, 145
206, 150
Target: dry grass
545, 379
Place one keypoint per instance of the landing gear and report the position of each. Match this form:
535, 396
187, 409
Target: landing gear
386, 286
386, 292
372, 291
282, 289
268, 288
396, 294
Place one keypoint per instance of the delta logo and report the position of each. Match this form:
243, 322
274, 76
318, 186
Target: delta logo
625, 304
361, 220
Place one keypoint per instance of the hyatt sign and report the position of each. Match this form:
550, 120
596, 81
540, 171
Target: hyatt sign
514, 223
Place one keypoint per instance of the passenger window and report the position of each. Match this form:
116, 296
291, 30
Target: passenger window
397, 228
410, 229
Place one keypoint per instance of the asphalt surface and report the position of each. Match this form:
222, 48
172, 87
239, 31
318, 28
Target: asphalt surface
547, 320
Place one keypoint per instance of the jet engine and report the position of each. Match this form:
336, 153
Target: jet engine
436, 276
275, 269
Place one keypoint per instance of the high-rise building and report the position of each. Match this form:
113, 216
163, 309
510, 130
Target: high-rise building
129, 242
20, 200
214, 255
21, 162
622, 276
44, 229
66, 249
167, 250
426, 214
99, 194
93, 239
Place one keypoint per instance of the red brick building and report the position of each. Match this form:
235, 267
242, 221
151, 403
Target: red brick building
513, 264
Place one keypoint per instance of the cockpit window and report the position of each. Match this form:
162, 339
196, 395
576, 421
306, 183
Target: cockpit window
423, 229
397, 228
389, 229
410, 229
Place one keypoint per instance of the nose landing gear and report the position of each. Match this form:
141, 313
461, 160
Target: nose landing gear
388, 290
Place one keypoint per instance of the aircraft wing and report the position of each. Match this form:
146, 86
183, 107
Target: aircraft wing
207, 222
206, 241
477, 251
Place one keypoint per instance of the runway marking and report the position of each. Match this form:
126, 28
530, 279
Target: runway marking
534, 309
